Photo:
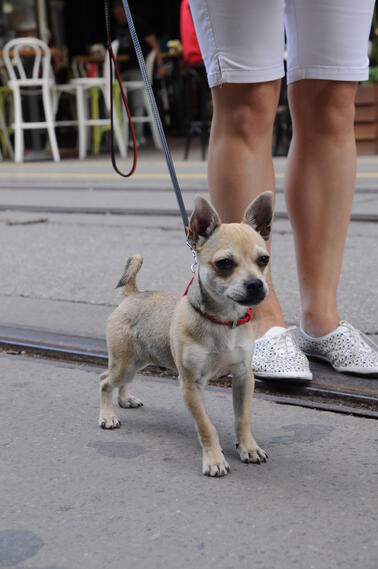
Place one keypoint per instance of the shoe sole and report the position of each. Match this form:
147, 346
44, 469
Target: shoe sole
265, 376
367, 375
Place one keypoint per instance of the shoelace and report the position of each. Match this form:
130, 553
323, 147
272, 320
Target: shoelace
284, 343
362, 342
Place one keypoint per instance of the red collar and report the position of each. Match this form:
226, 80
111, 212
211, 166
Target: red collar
231, 323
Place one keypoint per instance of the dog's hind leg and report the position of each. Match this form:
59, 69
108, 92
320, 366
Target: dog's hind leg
125, 399
115, 376
107, 419
121, 370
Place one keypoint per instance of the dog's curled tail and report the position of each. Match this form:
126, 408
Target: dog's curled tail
128, 279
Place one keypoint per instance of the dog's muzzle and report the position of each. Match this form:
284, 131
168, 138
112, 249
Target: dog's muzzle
255, 292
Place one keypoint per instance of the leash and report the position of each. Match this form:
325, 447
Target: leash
113, 62
151, 98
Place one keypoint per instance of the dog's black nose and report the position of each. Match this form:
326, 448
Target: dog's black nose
254, 292
254, 286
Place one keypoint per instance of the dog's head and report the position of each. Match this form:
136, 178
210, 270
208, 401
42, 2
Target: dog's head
233, 257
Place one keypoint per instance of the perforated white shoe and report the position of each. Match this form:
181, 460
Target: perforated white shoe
347, 349
278, 357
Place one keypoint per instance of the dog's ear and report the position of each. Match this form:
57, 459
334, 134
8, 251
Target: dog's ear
203, 222
259, 214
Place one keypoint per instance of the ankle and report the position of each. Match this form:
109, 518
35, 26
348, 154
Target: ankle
268, 314
263, 322
319, 323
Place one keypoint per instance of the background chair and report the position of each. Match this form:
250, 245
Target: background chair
28, 63
130, 87
88, 108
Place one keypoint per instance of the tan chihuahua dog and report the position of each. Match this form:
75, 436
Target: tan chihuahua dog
202, 335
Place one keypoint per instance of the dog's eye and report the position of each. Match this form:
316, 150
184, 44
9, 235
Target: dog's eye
225, 264
263, 260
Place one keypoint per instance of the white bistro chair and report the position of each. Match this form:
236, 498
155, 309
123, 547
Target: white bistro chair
38, 76
138, 85
83, 85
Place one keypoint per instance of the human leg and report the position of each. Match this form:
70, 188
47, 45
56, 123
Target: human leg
327, 56
319, 190
319, 187
240, 163
242, 46
327, 46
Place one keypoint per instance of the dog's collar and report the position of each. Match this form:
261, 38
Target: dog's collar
231, 323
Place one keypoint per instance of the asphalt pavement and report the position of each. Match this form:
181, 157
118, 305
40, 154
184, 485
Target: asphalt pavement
75, 496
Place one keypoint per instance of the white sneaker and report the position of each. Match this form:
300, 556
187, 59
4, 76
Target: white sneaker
347, 349
277, 356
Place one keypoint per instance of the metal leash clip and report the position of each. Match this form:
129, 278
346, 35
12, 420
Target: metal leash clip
193, 266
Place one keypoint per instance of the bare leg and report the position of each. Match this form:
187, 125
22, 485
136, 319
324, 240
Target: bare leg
320, 181
213, 461
242, 392
240, 162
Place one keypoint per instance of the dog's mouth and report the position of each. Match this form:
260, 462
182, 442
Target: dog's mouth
250, 300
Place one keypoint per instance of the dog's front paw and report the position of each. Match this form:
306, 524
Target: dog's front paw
129, 402
252, 454
110, 422
216, 466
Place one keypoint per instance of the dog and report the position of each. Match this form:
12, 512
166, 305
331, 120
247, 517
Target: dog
202, 335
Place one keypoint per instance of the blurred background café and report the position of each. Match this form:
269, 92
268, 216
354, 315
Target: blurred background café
54, 80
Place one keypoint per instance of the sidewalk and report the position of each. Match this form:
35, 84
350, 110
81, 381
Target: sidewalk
79, 259
151, 171
93, 186
74, 496
62, 261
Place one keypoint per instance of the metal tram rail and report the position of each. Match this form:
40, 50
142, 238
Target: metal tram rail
328, 391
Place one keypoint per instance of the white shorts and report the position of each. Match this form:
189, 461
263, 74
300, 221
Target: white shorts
242, 41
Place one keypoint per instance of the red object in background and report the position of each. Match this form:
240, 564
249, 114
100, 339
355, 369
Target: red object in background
92, 70
191, 49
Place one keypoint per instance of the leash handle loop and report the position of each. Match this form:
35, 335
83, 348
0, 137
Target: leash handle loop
113, 61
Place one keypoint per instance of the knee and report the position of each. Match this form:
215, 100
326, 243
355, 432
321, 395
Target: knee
250, 113
328, 111
336, 105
